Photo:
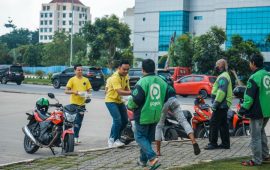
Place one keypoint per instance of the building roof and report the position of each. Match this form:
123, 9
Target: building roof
67, 1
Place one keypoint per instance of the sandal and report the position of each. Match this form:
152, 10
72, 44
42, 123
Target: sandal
155, 165
196, 149
248, 163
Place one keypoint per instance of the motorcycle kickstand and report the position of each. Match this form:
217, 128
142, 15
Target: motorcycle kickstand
52, 150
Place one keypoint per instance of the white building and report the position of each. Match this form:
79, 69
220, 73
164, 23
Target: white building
157, 20
128, 18
57, 16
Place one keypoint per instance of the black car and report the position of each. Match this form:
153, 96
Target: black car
12, 73
136, 73
94, 74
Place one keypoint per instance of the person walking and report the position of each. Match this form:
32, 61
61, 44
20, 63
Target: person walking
75, 86
147, 101
116, 87
256, 107
221, 102
172, 107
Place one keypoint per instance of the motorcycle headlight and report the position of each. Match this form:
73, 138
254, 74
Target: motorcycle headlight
70, 117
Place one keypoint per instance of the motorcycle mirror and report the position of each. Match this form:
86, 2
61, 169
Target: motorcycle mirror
51, 95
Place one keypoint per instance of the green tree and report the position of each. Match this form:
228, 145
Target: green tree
183, 51
238, 55
107, 37
32, 55
5, 58
57, 52
208, 49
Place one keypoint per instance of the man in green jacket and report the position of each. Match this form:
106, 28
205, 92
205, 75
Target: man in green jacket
222, 100
147, 101
256, 106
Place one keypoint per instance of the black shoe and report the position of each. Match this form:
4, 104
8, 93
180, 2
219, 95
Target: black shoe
221, 146
196, 149
211, 147
141, 163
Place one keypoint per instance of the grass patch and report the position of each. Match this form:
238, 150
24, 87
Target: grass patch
37, 81
231, 164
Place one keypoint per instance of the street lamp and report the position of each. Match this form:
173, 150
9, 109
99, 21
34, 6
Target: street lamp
71, 35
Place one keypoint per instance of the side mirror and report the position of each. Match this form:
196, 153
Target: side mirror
51, 95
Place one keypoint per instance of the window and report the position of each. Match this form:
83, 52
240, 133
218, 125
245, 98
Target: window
45, 15
45, 29
45, 37
41, 22
43, 8
143, 19
70, 22
64, 15
50, 29
41, 15
70, 30
143, 38
70, 15
41, 29
48, 8
41, 37
170, 23
50, 14
50, 37
50, 22
80, 15
45, 22
80, 23
251, 23
64, 8
198, 17
186, 79
64, 22
198, 78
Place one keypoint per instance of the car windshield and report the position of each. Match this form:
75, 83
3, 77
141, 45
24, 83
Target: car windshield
212, 79
164, 73
16, 69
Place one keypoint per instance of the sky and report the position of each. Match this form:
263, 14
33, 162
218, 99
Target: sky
25, 13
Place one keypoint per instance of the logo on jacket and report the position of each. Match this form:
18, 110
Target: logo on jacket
155, 91
266, 82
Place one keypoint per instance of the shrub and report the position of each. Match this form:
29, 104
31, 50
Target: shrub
40, 74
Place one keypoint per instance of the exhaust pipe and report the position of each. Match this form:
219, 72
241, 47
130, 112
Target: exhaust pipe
27, 132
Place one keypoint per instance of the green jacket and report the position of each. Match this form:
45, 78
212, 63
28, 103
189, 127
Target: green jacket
148, 98
257, 95
222, 92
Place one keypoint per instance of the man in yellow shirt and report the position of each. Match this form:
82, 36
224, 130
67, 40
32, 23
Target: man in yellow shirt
76, 85
117, 86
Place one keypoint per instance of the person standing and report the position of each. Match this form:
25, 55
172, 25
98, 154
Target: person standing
221, 102
75, 86
147, 101
116, 87
256, 107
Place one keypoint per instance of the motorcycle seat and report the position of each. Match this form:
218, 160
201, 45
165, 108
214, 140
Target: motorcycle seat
42, 115
204, 106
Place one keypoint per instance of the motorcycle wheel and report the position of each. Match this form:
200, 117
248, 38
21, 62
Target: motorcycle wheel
29, 146
171, 134
127, 136
200, 132
241, 132
68, 143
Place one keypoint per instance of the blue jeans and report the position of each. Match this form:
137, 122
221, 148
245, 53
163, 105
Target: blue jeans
144, 136
78, 124
120, 118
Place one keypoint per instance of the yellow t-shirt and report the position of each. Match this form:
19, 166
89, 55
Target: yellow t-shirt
80, 85
116, 82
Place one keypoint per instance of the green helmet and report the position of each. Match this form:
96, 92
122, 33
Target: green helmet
42, 104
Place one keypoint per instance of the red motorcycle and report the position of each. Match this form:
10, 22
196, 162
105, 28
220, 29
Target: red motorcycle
201, 117
238, 126
53, 129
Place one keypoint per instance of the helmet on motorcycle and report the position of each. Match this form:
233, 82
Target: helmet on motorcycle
42, 104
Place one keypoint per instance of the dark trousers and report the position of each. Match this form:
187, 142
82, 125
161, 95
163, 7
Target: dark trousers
78, 123
218, 123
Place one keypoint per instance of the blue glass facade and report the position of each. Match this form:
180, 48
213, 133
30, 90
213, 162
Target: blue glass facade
251, 23
170, 22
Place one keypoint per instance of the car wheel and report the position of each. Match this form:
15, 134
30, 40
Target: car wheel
203, 93
4, 80
96, 88
19, 82
56, 83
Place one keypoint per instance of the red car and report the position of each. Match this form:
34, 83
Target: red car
194, 85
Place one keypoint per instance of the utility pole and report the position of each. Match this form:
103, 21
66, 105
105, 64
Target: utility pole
71, 35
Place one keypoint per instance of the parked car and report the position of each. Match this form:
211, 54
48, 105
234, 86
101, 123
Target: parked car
94, 74
136, 73
194, 85
12, 73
